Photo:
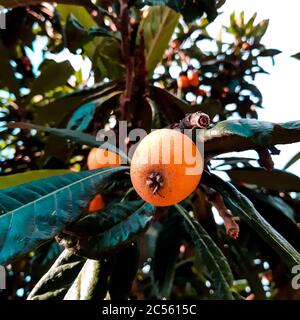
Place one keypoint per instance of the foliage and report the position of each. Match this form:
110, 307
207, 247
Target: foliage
51, 111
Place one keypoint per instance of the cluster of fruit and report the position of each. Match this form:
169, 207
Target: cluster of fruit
160, 182
190, 80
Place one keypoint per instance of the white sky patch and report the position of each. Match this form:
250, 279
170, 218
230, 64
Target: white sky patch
280, 89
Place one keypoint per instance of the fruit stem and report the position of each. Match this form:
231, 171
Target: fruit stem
155, 181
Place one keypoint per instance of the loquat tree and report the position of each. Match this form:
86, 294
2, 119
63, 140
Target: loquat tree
76, 210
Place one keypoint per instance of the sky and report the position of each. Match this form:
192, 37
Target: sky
280, 89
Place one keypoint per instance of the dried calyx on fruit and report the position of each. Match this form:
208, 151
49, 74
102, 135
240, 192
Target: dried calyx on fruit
155, 180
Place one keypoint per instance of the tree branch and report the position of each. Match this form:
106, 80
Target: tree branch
127, 58
216, 200
196, 120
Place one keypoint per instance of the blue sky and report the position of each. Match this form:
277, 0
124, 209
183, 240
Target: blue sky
280, 89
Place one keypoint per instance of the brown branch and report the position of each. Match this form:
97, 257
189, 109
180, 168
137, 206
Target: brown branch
123, 27
265, 159
66, 240
194, 120
140, 67
216, 200
133, 57
127, 58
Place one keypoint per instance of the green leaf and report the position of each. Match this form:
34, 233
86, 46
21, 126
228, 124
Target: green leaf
175, 108
249, 24
44, 257
191, 10
242, 206
53, 74
160, 93
105, 55
268, 204
91, 282
245, 134
170, 237
35, 212
210, 106
260, 29
210, 255
81, 13
253, 89
117, 225
103, 51
172, 107
20, 178
73, 135
83, 116
57, 152
94, 224
159, 119
246, 269
77, 36
57, 110
277, 180
240, 285
56, 282
242, 19
294, 159
234, 27
269, 53
296, 56
277, 212
157, 28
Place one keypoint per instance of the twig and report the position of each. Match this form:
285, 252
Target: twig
216, 200
197, 119
265, 159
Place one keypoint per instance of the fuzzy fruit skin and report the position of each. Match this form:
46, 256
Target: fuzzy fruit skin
183, 82
100, 158
96, 160
193, 78
177, 185
97, 203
